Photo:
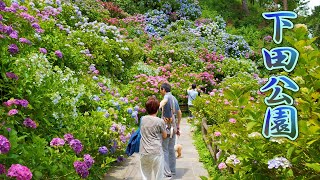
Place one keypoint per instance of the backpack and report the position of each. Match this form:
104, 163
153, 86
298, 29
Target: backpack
134, 143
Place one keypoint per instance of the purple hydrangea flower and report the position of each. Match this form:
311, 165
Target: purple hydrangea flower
12, 112
106, 115
120, 159
57, 142
58, 54
2, 5
2, 169
23, 102
81, 168
29, 123
43, 50
15, 5
114, 127
35, 25
76, 145
136, 108
11, 75
25, 41
129, 110
14, 35
103, 150
4, 145
13, 49
23, 8
19, 172
123, 138
277, 162
7, 29
68, 137
88, 160
1, 18
92, 67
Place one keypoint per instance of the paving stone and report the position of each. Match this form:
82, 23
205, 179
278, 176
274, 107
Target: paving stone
188, 166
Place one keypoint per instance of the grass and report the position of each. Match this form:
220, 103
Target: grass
204, 155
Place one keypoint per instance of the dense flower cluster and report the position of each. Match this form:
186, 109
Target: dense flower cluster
277, 162
19, 172
4, 145
68, 137
189, 10
2, 169
232, 160
103, 150
81, 168
88, 160
29, 123
55, 142
222, 166
76, 145
21, 102
11, 75
12, 112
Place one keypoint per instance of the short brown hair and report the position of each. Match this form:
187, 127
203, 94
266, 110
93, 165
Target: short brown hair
152, 105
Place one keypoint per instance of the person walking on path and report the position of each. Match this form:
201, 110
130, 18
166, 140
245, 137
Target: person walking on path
170, 107
153, 132
192, 94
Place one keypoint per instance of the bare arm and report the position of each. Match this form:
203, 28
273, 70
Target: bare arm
179, 114
163, 102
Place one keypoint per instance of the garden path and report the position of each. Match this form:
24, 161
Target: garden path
188, 166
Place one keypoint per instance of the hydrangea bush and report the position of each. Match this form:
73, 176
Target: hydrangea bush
235, 110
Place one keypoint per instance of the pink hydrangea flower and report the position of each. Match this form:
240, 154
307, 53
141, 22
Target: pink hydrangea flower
12, 112
232, 120
19, 172
57, 142
222, 166
217, 133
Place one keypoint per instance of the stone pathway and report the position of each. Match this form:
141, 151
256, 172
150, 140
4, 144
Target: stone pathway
188, 166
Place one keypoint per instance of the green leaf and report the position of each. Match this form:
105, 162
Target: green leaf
290, 151
250, 125
37, 174
290, 173
311, 142
314, 166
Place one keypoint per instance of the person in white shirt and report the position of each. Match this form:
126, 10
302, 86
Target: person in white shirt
192, 94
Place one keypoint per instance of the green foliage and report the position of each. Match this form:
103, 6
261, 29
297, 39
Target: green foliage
230, 67
245, 106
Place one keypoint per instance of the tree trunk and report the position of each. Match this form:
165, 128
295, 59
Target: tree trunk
285, 5
245, 7
276, 2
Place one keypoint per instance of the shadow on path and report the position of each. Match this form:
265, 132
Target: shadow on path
188, 166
